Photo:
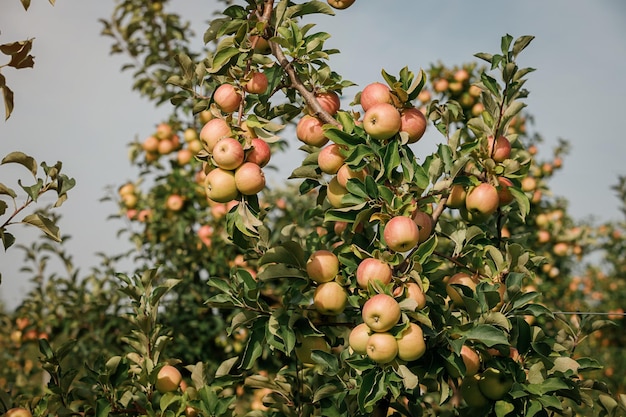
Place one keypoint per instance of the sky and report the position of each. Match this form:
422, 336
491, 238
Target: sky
77, 107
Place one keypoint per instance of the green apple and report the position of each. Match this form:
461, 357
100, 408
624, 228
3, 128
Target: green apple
494, 384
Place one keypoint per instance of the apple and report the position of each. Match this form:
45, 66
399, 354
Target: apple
126, 189
150, 144
130, 200
372, 269
227, 98
382, 347
461, 75
411, 344
471, 393
322, 266
401, 234
309, 130
228, 153
358, 338
345, 173
560, 249
249, 178
474, 90
424, 223
335, 193
482, 199
165, 147
194, 146
168, 379
221, 186
330, 298
257, 84
456, 198
213, 131
204, 234
494, 384
260, 45
413, 122
460, 278
478, 109
144, 215
260, 152
424, 96
330, 159
184, 156
505, 196
18, 412
414, 292
329, 101
471, 360
341, 4
375, 93
163, 131
455, 86
190, 134
308, 345
381, 312
498, 149
440, 85
174, 202
382, 121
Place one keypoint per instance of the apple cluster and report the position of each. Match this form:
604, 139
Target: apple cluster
455, 83
479, 389
164, 141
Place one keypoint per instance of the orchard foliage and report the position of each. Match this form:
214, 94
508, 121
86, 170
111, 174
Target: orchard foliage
376, 282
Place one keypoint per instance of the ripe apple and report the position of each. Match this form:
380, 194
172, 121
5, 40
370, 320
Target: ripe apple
184, 156
165, 147
529, 184
413, 122
213, 131
204, 234
341, 4
461, 75
345, 173
194, 146
382, 347
372, 269
440, 85
358, 338
382, 121
150, 144
130, 200
424, 96
168, 379
474, 90
471, 360
482, 199
163, 131
411, 344
478, 109
18, 412
221, 186
308, 345
505, 196
257, 84
330, 159
494, 384
425, 225
174, 202
456, 198
228, 153
381, 312
560, 249
249, 178
471, 393
322, 266
330, 298
309, 130
126, 189
460, 278
335, 193
329, 101
227, 98
260, 152
498, 149
190, 134
401, 234
260, 45
413, 292
373, 94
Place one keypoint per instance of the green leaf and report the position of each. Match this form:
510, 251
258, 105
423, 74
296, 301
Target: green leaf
505, 43
488, 335
503, 408
25, 4
7, 239
484, 56
22, 159
46, 225
103, 407
221, 58
521, 43
309, 7
7, 191
7, 95
32, 190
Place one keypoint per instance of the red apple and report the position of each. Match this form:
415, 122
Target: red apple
373, 94
413, 292
463, 279
504, 194
260, 45
382, 347
471, 360
425, 225
500, 149
411, 344
309, 130
213, 131
330, 298
257, 84
413, 122
322, 266
221, 186
381, 312
345, 173
168, 379
330, 159
260, 152
372, 269
150, 144
329, 101
174, 202
482, 200
382, 121
184, 156
249, 178
401, 234
227, 98
340, 4
358, 338
166, 146
228, 153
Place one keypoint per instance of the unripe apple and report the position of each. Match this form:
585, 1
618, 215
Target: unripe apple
411, 344
358, 338
425, 225
227, 98
257, 84
260, 152
174, 202
213, 131
130, 200
322, 266
330, 298
168, 379
401, 234
18, 412
309, 130
329, 101
471, 393
382, 347
330, 159
308, 345
228, 153
413, 122
221, 186
341, 4
375, 93
456, 198
194, 146
335, 193
382, 121
483, 199
126, 189
345, 173
371, 270
499, 149
381, 312
150, 144
249, 178
494, 384
463, 279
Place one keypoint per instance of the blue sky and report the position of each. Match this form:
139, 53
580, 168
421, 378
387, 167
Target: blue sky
76, 106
